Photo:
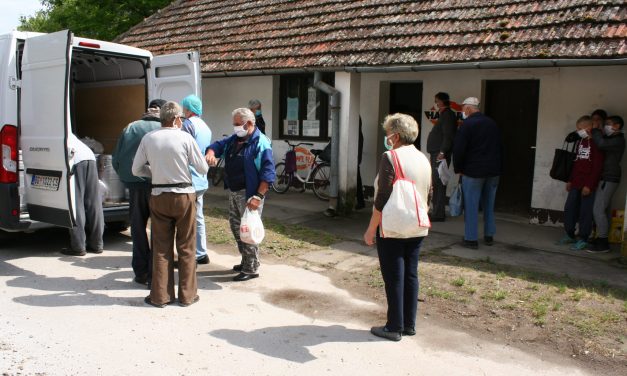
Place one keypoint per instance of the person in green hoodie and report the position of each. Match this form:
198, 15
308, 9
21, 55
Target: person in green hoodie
139, 188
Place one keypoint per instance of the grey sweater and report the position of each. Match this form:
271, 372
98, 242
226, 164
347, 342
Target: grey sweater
614, 147
443, 133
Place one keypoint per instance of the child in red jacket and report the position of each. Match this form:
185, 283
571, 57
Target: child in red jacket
584, 179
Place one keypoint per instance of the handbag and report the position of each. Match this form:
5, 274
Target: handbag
456, 202
402, 214
563, 161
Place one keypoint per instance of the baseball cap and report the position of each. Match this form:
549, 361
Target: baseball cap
471, 101
156, 103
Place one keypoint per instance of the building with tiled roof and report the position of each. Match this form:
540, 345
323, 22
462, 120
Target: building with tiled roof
536, 66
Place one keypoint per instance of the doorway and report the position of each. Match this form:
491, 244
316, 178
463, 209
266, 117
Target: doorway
406, 98
513, 104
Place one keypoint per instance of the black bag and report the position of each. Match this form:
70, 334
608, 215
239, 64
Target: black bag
563, 161
326, 153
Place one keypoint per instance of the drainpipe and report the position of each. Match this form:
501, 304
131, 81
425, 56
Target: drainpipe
335, 140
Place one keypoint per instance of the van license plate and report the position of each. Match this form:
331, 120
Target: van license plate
48, 183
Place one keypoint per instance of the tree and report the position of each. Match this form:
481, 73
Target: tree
98, 19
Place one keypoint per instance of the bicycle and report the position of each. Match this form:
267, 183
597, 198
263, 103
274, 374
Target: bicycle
318, 177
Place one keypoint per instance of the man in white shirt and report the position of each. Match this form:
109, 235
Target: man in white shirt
87, 233
164, 155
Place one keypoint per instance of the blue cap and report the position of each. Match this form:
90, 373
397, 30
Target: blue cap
193, 104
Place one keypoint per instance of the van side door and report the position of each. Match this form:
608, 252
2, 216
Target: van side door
45, 128
175, 76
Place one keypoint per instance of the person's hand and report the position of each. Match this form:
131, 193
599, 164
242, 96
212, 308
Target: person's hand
568, 187
211, 158
440, 157
585, 191
253, 203
369, 236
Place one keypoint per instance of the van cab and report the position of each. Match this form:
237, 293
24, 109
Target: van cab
54, 84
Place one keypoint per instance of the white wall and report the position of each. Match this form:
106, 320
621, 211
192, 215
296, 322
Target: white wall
221, 96
565, 94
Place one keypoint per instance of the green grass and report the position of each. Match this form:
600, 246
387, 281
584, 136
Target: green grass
578, 295
496, 295
500, 275
459, 282
435, 292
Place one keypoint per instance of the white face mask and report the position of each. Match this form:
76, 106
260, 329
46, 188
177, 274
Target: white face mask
582, 133
240, 131
608, 130
464, 116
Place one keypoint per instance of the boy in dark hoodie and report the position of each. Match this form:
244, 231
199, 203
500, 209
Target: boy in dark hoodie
583, 181
611, 141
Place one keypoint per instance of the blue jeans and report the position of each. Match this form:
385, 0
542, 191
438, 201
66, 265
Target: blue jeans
477, 190
201, 238
399, 267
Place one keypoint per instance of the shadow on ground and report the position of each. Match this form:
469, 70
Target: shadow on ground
291, 343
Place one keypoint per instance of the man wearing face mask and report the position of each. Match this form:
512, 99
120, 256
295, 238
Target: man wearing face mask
610, 140
249, 171
255, 106
439, 147
477, 156
164, 155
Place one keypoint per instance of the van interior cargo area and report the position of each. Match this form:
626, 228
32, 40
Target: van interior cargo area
107, 93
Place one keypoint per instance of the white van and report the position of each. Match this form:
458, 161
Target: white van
54, 84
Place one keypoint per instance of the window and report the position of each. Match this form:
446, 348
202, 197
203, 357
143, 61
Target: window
304, 109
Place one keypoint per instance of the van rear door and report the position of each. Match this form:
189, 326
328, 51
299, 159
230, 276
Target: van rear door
175, 76
45, 127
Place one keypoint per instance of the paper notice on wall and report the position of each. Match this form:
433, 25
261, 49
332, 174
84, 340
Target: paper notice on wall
292, 108
311, 128
290, 127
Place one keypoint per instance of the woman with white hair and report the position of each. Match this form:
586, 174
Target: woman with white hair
398, 251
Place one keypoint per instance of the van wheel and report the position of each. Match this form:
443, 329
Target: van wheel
117, 226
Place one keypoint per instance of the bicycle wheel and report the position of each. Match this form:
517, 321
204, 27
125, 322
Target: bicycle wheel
321, 178
218, 173
283, 179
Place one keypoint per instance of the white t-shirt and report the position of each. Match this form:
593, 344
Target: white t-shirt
79, 151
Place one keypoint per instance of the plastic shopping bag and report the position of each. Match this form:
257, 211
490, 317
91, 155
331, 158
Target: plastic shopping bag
444, 172
251, 229
456, 202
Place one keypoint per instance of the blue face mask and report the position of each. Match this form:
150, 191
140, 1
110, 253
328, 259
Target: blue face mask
258, 113
386, 143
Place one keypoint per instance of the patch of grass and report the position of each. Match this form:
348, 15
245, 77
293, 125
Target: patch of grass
471, 290
556, 306
578, 295
496, 295
459, 282
609, 317
509, 306
500, 275
534, 287
375, 279
434, 292
603, 284
561, 288
625, 306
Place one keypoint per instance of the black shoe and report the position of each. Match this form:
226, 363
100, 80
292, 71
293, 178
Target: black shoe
409, 332
149, 302
71, 252
488, 240
241, 277
195, 300
142, 279
237, 268
96, 251
383, 332
472, 244
601, 245
203, 260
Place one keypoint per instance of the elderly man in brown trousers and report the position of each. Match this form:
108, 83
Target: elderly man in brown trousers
164, 155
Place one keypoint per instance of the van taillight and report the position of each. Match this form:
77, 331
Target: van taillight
8, 152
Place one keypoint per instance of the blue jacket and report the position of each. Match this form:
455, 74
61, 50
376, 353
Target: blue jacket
477, 149
196, 127
258, 164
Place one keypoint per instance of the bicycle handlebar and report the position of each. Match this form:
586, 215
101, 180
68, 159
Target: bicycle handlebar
295, 145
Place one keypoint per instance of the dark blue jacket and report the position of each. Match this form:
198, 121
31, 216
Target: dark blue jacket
477, 150
258, 164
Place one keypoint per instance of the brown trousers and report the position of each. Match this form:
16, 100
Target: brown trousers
173, 214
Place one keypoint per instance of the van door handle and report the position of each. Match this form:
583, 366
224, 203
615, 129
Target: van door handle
532, 147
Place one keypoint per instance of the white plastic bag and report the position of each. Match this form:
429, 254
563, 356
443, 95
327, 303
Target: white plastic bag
444, 172
403, 213
251, 229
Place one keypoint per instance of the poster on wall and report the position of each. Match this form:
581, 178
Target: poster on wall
311, 128
292, 108
290, 127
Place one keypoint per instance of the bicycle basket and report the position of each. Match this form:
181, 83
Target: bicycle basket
290, 161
